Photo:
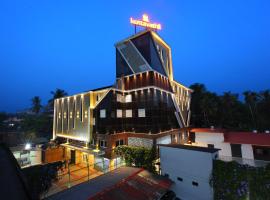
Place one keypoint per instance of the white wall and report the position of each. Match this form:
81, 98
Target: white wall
247, 151
190, 166
164, 140
35, 157
142, 142
217, 139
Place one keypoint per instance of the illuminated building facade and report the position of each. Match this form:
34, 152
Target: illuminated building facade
145, 106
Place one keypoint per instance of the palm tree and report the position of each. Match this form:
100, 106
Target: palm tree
36, 104
58, 93
251, 99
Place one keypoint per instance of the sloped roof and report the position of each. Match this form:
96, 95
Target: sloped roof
262, 139
192, 148
139, 186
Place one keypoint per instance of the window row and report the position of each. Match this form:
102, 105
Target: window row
194, 183
124, 98
119, 113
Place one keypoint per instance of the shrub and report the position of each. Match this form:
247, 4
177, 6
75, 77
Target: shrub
137, 156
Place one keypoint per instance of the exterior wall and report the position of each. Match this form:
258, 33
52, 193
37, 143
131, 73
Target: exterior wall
143, 142
36, 157
164, 140
73, 117
149, 78
247, 151
54, 154
217, 139
27, 158
159, 112
190, 166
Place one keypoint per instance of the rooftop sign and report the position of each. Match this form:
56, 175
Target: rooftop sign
144, 22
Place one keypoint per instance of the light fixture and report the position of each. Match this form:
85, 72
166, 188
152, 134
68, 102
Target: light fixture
27, 146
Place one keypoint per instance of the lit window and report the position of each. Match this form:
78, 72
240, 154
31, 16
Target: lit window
128, 98
85, 114
141, 112
65, 115
78, 114
119, 98
70, 115
119, 113
102, 113
59, 115
128, 113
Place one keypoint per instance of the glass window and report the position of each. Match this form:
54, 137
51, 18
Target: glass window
119, 142
102, 113
141, 112
128, 98
179, 179
94, 121
195, 183
102, 143
119, 98
119, 113
128, 113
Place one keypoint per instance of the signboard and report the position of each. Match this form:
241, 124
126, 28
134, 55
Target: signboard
145, 22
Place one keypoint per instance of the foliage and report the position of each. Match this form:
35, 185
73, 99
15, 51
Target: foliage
36, 104
259, 183
138, 156
227, 111
58, 93
40, 177
41, 124
3, 117
231, 180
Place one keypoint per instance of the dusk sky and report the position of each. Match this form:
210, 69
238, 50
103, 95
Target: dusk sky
46, 45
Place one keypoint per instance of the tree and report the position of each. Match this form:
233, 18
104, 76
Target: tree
36, 104
58, 93
232, 112
204, 106
251, 100
263, 110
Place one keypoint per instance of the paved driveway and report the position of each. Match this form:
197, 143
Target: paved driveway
87, 189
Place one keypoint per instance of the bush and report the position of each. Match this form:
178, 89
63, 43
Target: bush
138, 156
40, 177
231, 180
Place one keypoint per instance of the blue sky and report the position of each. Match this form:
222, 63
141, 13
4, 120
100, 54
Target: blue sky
51, 44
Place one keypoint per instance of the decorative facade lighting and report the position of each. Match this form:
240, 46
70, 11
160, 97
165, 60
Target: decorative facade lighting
145, 22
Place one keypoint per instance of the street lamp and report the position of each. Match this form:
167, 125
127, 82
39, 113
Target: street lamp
27, 146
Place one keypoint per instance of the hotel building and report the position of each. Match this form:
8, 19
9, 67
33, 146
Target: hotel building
144, 107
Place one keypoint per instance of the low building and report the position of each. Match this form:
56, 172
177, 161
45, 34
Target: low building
190, 168
245, 147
